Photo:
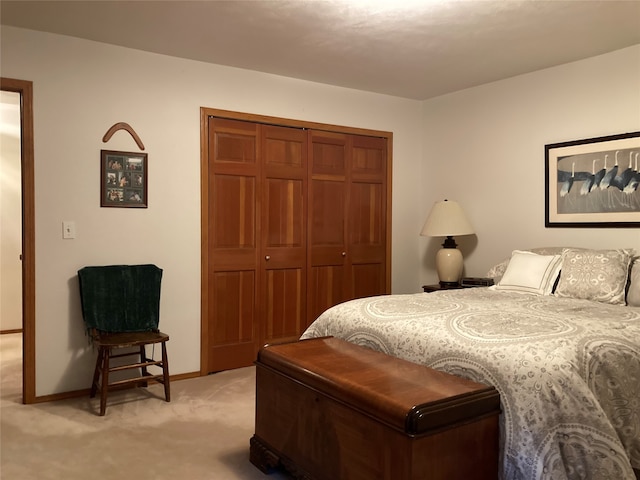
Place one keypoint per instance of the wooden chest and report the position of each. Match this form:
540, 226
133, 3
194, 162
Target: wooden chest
330, 410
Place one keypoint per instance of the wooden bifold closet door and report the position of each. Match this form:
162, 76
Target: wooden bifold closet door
296, 222
346, 222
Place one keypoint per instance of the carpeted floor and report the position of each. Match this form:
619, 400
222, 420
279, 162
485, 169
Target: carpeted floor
203, 433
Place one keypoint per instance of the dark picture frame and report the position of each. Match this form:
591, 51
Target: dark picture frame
123, 179
593, 182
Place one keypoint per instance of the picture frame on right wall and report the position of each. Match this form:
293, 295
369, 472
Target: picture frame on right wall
123, 179
593, 182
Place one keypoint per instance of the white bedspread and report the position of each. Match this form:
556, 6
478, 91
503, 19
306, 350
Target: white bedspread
568, 371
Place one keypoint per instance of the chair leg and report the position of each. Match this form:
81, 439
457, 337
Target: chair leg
105, 381
143, 371
96, 374
165, 371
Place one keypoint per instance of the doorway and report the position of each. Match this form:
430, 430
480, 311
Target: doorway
25, 91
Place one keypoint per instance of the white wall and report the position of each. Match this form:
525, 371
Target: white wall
484, 147
81, 89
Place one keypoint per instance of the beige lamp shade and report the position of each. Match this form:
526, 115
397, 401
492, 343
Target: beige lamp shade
447, 219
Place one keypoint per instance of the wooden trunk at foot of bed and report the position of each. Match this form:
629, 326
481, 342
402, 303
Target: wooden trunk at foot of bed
328, 410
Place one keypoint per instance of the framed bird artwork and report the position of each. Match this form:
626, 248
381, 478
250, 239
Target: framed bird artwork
593, 182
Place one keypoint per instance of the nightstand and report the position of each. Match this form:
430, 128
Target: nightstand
467, 282
437, 286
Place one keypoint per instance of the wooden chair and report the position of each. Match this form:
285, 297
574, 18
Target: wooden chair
121, 311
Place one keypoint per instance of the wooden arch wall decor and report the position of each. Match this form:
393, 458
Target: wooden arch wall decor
123, 126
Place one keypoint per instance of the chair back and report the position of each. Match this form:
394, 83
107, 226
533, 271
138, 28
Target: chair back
120, 298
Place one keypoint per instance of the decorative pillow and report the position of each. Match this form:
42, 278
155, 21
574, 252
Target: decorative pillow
633, 293
598, 275
528, 272
497, 271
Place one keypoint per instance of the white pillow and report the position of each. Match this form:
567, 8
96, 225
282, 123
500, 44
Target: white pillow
530, 273
498, 270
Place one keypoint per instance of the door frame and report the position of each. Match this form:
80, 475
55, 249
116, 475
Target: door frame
205, 114
25, 89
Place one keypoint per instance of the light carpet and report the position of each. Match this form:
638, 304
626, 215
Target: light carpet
203, 433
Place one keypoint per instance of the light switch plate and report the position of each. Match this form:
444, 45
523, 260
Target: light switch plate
68, 229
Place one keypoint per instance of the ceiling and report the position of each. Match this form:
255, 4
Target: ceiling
416, 49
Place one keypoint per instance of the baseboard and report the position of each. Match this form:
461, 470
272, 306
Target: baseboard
85, 391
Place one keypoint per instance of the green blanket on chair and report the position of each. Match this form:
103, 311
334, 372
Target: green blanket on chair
120, 298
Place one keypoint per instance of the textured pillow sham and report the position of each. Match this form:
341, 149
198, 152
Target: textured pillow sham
598, 275
528, 272
633, 293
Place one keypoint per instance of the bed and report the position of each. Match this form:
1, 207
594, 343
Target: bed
559, 338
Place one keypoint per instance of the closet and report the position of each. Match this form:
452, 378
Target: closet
295, 219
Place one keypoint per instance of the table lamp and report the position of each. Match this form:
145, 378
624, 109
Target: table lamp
447, 219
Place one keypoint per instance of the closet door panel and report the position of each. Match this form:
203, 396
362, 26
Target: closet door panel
283, 234
327, 198
329, 154
232, 335
233, 330
365, 222
367, 216
369, 157
283, 260
285, 147
232, 142
326, 288
284, 214
233, 220
285, 302
367, 280
327, 221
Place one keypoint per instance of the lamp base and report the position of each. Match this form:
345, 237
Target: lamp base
449, 264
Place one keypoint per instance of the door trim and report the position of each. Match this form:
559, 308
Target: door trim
25, 88
205, 114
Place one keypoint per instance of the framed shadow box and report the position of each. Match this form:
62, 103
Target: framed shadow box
123, 179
